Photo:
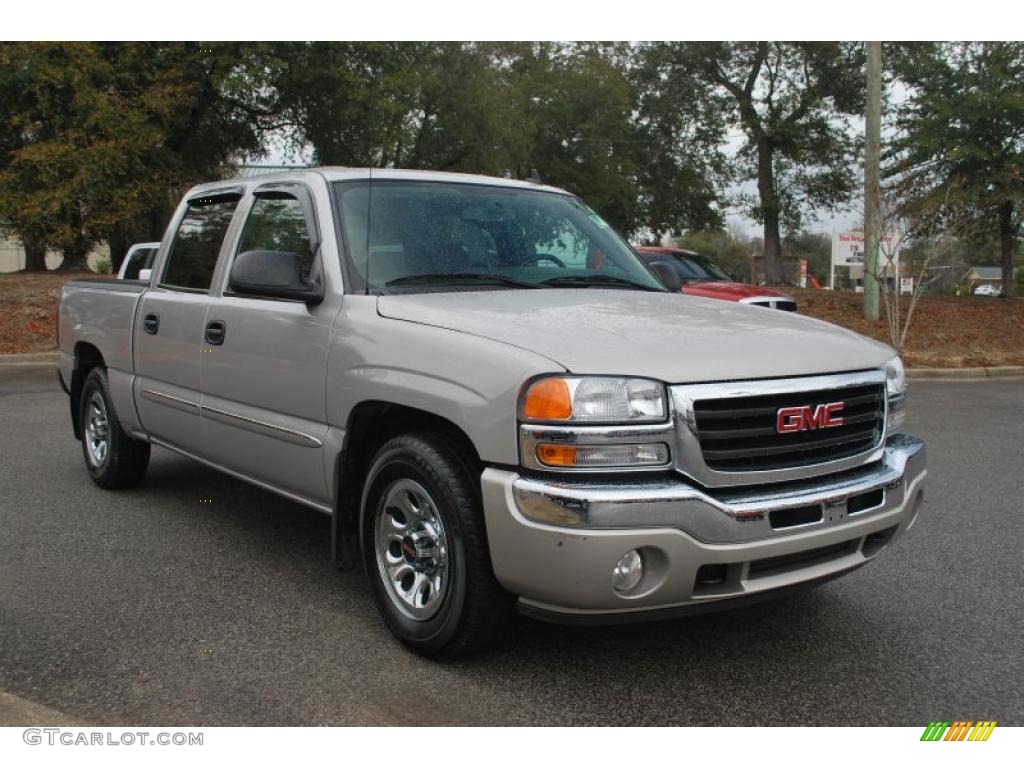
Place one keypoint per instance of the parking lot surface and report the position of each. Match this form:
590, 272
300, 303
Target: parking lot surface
197, 599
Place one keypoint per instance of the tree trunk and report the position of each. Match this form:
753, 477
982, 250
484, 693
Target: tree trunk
75, 257
73, 262
157, 220
1008, 244
769, 212
119, 245
35, 256
77, 249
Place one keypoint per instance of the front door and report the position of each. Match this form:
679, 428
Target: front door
264, 408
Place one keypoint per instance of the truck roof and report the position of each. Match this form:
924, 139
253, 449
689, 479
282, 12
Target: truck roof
338, 173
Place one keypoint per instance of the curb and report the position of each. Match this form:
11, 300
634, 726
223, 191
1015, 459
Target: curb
30, 358
920, 374
966, 374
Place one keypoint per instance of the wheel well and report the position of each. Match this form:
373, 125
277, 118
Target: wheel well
87, 357
370, 425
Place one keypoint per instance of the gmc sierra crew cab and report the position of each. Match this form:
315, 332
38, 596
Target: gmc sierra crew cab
497, 402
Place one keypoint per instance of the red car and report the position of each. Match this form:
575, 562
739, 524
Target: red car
702, 277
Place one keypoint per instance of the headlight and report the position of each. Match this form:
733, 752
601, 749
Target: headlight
594, 423
896, 393
594, 400
895, 378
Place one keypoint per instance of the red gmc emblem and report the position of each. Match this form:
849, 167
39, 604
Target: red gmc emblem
804, 417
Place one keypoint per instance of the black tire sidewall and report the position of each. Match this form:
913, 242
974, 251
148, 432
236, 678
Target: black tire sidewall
96, 381
127, 458
399, 460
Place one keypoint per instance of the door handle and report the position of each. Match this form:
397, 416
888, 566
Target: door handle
215, 331
151, 324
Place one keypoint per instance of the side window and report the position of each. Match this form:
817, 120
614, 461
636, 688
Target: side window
193, 255
277, 223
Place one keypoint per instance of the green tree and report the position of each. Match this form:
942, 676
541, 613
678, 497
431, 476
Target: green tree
679, 134
959, 157
789, 100
573, 104
571, 111
596, 119
351, 102
100, 138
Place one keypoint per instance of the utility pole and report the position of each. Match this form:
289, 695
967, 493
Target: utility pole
872, 187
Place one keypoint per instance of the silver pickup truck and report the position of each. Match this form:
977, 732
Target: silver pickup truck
497, 402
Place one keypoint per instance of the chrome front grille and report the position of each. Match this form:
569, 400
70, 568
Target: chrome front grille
728, 432
740, 433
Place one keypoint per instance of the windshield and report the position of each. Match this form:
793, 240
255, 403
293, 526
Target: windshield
415, 236
694, 267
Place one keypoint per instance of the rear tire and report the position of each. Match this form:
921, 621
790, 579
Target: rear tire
425, 549
112, 458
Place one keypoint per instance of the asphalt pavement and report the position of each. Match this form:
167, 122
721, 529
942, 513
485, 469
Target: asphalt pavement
157, 606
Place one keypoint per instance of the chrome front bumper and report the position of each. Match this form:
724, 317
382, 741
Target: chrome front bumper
554, 543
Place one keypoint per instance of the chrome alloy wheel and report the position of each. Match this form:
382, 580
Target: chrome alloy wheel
97, 430
412, 550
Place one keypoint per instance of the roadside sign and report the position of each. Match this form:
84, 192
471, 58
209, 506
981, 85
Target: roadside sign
847, 248
848, 252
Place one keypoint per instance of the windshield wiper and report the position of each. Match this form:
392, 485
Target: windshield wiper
447, 277
587, 281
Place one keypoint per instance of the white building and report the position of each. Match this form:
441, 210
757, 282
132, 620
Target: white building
12, 256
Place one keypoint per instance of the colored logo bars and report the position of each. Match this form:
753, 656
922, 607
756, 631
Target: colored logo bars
961, 730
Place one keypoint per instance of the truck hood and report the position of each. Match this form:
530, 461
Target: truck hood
666, 336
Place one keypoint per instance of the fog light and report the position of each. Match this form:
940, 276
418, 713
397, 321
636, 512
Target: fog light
628, 572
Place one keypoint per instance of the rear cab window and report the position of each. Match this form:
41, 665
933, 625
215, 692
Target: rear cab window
197, 242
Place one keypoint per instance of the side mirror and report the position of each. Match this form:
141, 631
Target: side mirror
667, 274
145, 275
273, 274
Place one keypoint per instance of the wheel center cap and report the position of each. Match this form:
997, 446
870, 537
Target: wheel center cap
409, 549
419, 548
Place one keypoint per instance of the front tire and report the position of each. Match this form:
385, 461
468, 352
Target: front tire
113, 458
425, 549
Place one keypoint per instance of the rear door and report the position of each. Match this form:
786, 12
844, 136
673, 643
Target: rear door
264, 404
169, 343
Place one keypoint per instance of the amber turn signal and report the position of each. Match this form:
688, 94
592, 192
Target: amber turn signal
548, 400
557, 455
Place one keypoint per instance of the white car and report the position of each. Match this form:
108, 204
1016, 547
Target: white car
987, 290
139, 257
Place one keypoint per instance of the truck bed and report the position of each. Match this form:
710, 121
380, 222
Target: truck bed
100, 312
